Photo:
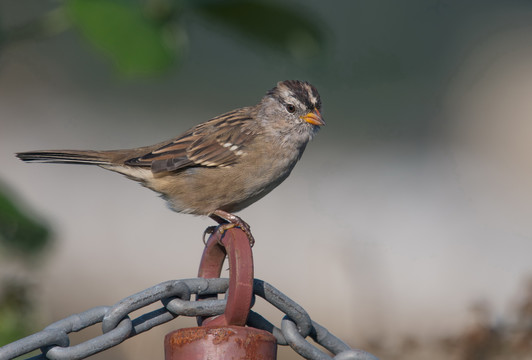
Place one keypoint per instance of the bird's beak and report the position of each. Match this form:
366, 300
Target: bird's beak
314, 118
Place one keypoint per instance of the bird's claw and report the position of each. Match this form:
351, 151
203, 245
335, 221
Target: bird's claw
242, 225
209, 230
228, 221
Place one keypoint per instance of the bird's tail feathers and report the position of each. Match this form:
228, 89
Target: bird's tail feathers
87, 157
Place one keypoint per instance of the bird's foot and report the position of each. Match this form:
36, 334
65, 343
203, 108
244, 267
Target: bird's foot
228, 221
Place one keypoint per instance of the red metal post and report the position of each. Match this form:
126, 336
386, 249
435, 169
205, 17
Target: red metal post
225, 336
220, 342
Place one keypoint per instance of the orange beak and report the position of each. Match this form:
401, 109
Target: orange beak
314, 118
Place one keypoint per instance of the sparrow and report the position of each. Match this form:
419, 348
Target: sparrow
220, 166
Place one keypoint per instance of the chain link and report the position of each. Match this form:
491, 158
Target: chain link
175, 296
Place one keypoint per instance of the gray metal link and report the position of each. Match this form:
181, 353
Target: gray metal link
323, 337
54, 334
298, 342
32, 342
354, 354
142, 299
257, 321
94, 345
284, 304
175, 296
188, 308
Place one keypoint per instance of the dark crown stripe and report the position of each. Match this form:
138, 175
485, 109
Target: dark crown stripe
301, 90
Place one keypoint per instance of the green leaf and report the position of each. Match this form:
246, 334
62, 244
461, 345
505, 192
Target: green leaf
271, 24
137, 45
18, 232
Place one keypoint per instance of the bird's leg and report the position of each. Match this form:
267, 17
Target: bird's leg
228, 221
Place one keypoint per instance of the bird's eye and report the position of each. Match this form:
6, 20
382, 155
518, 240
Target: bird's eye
290, 108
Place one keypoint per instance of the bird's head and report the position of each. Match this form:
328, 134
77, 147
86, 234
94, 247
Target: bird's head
294, 106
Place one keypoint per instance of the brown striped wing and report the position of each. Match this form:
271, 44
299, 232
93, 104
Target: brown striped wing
216, 143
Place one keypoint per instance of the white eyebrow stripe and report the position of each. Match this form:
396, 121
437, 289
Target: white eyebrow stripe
311, 96
313, 99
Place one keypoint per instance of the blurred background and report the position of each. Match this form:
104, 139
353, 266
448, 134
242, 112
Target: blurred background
408, 216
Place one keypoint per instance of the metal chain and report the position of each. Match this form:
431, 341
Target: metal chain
175, 295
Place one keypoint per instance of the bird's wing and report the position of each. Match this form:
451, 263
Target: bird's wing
217, 142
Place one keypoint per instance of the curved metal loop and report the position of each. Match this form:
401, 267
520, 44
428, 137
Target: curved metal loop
325, 339
259, 322
282, 302
55, 337
298, 343
34, 342
195, 308
203, 287
136, 301
355, 354
235, 244
335, 345
94, 345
